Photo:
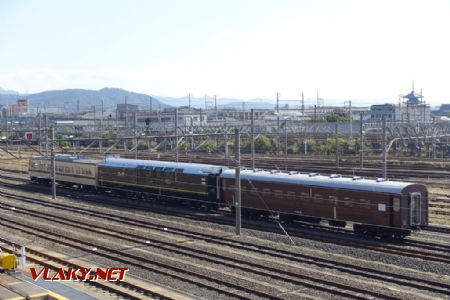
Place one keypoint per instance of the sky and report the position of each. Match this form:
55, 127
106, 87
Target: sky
347, 50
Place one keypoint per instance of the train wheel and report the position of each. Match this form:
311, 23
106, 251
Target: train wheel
386, 235
399, 236
288, 219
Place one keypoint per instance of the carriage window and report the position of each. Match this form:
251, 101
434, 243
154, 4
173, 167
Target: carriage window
318, 198
332, 200
348, 202
278, 194
304, 196
364, 203
396, 204
291, 195
267, 192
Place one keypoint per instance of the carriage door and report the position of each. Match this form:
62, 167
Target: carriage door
415, 208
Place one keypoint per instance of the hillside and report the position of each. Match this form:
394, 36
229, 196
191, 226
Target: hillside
68, 98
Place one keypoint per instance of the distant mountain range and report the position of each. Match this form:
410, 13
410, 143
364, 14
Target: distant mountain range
209, 102
67, 99
7, 92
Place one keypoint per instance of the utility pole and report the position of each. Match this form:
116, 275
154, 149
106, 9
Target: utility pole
6, 123
384, 148
252, 133
46, 134
237, 196
176, 133
303, 108
135, 137
95, 115
337, 146
101, 119
78, 105
215, 105
278, 115
53, 164
126, 113
351, 118
40, 132
134, 123
151, 105
225, 136
361, 142
189, 103
285, 145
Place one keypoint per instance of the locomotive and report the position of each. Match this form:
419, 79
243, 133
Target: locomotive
389, 209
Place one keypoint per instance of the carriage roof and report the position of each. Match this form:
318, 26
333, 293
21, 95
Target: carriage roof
332, 181
199, 169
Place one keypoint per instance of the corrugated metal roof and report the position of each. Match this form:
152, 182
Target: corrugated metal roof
359, 184
200, 169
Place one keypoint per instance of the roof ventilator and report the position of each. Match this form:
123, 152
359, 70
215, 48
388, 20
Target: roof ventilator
381, 180
313, 174
357, 178
335, 176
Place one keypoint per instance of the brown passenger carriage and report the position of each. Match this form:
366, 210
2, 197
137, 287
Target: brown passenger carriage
375, 207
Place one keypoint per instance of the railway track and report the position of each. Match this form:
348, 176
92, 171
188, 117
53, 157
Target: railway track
293, 231
440, 229
274, 273
345, 237
222, 287
258, 268
123, 289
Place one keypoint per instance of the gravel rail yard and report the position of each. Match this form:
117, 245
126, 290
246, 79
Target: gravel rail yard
208, 259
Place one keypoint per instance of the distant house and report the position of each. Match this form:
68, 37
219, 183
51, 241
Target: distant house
387, 110
19, 109
124, 109
413, 109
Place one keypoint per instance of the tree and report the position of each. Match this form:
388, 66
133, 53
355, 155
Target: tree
263, 144
338, 115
